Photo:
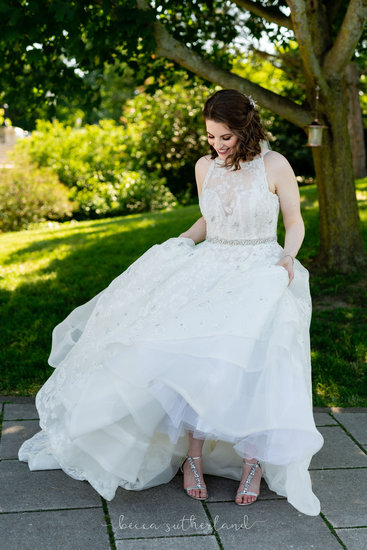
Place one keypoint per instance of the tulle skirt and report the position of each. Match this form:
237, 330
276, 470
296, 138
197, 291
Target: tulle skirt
207, 338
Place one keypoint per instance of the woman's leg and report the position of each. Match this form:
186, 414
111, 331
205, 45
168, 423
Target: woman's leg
195, 449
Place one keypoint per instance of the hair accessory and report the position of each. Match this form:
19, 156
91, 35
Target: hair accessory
252, 101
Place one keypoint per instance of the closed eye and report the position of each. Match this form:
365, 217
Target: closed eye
225, 138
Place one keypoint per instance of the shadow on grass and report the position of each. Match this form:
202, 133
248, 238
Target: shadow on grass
159, 224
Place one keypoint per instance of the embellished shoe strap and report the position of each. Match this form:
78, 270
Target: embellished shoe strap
194, 471
248, 479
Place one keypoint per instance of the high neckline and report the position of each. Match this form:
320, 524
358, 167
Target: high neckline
220, 162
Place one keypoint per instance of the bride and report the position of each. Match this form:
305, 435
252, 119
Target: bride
197, 355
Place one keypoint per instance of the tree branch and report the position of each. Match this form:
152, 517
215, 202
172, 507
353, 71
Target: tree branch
169, 47
279, 61
272, 14
303, 36
345, 43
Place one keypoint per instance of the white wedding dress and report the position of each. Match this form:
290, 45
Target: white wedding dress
206, 337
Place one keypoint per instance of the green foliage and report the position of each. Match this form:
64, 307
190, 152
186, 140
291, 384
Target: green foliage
76, 153
29, 194
4, 121
118, 85
53, 53
363, 99
93, 162
166, 132
205, 27
117, 169
129, 192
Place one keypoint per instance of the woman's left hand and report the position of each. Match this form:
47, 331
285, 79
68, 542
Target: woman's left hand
287, 263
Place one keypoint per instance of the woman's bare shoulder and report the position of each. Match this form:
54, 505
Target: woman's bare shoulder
275, 161
201, 168
279, 172
203, 162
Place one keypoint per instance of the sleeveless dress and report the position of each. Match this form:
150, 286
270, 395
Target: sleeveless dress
206, 337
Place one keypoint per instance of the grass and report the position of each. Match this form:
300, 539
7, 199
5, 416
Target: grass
51, 269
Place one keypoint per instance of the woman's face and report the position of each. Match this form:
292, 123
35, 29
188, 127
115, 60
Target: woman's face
221, 138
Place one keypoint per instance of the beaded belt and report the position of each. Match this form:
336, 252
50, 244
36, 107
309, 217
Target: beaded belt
241, 241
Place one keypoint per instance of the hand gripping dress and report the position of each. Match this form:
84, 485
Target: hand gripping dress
206, 337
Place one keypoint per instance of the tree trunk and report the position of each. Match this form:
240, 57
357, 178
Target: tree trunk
341, 244
355, 122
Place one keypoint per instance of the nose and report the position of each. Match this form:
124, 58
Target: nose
218, 143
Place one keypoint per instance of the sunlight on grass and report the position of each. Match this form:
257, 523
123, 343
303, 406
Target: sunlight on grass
25, 256
306, 203
35, 268
361, 192
308, 195
329, 393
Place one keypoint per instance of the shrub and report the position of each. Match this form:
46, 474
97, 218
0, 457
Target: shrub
161, 135
130, 192
167, 133
77, 154
92, 161
29, 194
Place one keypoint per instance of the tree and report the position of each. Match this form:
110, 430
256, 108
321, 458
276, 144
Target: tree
355, 80
355, 121
200, 36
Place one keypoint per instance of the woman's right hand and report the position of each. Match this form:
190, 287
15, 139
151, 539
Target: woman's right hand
182, 236
197, 232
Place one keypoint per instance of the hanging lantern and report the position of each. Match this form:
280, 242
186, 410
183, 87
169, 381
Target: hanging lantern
315, 129
315, 133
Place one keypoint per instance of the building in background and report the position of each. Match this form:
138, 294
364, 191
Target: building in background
8, 137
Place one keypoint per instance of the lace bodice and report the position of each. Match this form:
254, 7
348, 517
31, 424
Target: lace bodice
237, 204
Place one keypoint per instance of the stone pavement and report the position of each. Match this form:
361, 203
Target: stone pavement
49, 510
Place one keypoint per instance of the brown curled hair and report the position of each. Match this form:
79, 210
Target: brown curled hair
237, 111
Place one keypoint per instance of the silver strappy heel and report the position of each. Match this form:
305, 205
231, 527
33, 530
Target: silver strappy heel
247, 483
196, 475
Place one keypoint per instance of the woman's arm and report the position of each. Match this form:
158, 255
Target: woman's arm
282, 179
197, 232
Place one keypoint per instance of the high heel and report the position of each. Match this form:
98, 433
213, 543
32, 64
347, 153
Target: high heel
196, 475
247, 483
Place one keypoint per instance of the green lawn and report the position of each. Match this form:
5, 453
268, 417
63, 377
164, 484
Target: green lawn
49, 270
